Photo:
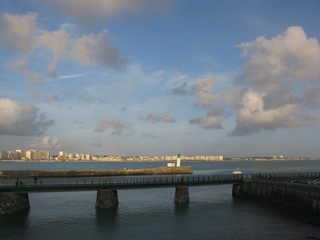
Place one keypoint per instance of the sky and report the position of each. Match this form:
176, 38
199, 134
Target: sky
161, 77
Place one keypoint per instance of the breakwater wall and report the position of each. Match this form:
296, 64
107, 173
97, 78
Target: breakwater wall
287, 194
94, 173
11, 202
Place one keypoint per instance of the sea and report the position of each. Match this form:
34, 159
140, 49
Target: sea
212, 212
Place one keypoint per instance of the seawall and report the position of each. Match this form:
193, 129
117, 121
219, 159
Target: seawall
294, 195
11, 202
94, 173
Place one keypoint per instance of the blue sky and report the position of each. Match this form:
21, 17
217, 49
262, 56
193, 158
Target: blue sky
160, 77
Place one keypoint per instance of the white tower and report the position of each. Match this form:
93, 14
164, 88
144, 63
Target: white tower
178, 160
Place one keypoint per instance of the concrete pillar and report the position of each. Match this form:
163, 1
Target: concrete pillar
11, 202
107, 198
236, 190
181, 194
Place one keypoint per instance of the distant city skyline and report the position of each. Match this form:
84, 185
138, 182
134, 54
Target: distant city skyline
43, 155
158, 77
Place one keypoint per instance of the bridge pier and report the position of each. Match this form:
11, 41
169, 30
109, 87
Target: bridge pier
11, 202
107, 198
181, 194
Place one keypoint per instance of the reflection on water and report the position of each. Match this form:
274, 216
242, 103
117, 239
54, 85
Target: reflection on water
19, 220
15, 225
106, 216
181, 209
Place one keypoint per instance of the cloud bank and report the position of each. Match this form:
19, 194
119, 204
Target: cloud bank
21, 119
279, 87
277, 82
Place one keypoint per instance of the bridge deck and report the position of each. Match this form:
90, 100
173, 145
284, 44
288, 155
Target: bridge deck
116, 183
136, 182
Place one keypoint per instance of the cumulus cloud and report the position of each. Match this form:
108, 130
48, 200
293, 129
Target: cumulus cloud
281, 82
95, 48
280, 61
47, 142
278, 87
87, 12
18, 32
21, 119
213, 101
21, 34
114, 123
57, 43
154, 118
203, 89
253, 116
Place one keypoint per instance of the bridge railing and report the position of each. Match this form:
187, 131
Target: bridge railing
123, 181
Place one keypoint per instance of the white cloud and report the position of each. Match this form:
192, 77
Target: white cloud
270, 98
21, 33
254, 113
280, 61
211, 99
203, 89
278, 88
21, 119
114, 123
18, 32
95, 48
57, 43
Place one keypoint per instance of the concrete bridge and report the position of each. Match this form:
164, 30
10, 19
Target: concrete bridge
14, 192
296, 189
29, 185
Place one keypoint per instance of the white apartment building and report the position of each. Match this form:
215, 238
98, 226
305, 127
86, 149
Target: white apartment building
37, 155
12, 155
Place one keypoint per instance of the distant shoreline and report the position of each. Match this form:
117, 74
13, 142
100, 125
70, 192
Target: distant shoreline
168, 161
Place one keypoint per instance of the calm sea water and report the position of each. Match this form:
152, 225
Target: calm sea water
151, 213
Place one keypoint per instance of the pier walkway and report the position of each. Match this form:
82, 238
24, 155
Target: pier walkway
29, 185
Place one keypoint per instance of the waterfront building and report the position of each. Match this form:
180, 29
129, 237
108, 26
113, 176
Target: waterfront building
3, 155
37, 155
